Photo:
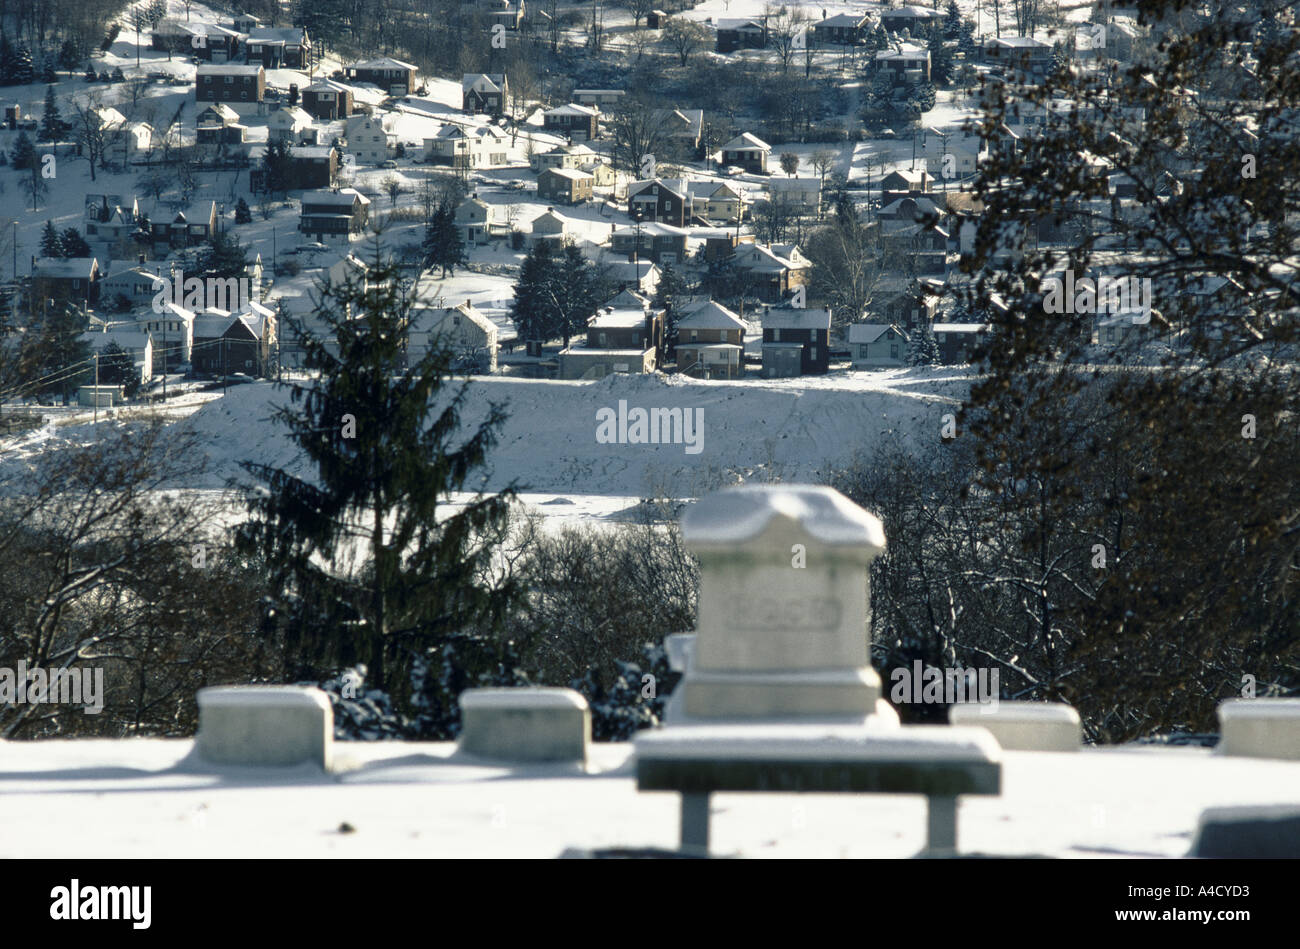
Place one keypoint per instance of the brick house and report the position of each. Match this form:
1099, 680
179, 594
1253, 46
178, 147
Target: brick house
230, 82
193, 225
70, 279
391, 75
747, 151
796, 342
328, 100
579, 122
659, 243
665, 200
710, 341
484, 93
741, 34
334, 214
286, 47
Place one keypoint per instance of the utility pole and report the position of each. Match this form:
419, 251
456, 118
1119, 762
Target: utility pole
96, 398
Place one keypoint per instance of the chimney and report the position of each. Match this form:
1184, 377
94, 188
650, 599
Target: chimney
140, 259
467, 303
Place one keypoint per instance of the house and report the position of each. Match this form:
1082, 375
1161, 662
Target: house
720, 243
626, 329
484, 93
660, 243
910, 64
967, 149
314, 166
477, 221
957, 341
641, 276
1023, 53
656, 20
563, 156
187, 228
564, 185
909, 304
341, 214
603, 99
391, 75
245, 22
602, 173
741, 34
844, 29
107, 217
230, 82
877, 346
129, 288
207, 41
796, 342
225, 343
580, 123
462, 328
371, 138
747, 151
710, 341
506, 13
923, 244
218, 124
288, 124
902, 183
772, 271
285, 47
715, 201
138, 345
664, 200
172, 329
462, 147
803, 195
682, 129
328, 100
582, 362
550, 228
908, 210
910, 18
66, 279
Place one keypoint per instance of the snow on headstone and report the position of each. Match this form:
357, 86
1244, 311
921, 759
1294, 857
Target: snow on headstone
265, 725
1024, 726
1260, 728
525, 724
782, 627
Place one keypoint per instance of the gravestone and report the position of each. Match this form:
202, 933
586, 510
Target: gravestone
1260, 728
527, 724
265, 725
781, 631
1024, 726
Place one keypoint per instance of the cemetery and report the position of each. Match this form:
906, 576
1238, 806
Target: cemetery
777, 742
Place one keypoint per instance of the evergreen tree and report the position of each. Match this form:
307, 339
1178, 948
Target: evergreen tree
941, 59
443, 246
277, 163
51, 243
24, 153
117, 368
922, 347
363, 566
69, 55
74, 245
535, 310
6, 60
21, 70
578, 292
952, 21
54, 356
48, 73
224, 256
242, 213
52, 126
669, 293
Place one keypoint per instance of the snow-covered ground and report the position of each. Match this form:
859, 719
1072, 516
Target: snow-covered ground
137, 798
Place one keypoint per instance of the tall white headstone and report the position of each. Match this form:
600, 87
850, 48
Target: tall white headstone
782, 629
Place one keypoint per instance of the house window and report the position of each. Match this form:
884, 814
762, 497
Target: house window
694, 335
893, 350
229, 80
862, 352
776, 336
812, 352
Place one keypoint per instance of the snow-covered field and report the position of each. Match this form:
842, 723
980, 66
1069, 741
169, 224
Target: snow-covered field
137, 798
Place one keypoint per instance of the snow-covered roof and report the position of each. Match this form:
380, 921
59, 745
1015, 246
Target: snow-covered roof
345, 197
569, 174
384, 62
710, 315
864, 333
618, 319
962, 327
789, 318
483, 82
746, 140
572, 109
843, 20
228, 69
63, 267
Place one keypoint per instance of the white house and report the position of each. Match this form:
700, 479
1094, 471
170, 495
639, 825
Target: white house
484, 146
804, 194
172, 330
477, 221
877, 346
138, 344
288, 124
469, 334
371, 138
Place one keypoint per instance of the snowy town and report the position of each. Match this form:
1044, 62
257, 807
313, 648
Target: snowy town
480, 398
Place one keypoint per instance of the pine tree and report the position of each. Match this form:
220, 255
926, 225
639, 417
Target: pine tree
51, 243
941, 59
224, 256
117, 368
52, 127
55, 352
6, 60
952, 21
74, 245
24, 152
69, 55
242, 213
577, 291
669, 293
277, 163
21, 70
369, 569
443, 246
922, 348
535, 311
